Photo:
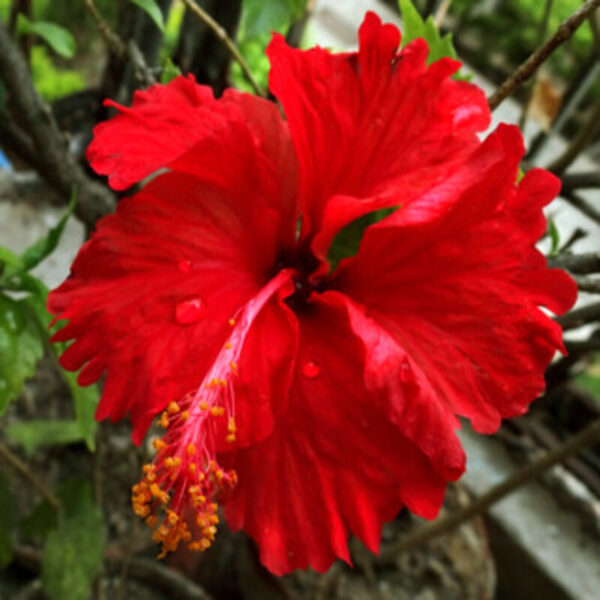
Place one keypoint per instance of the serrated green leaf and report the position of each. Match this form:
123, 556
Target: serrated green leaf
36, 253
261, 17
413, 26
20, 348
169, 72
35, 434
152, 9
554, 237
74, 551
57, 37
7, 510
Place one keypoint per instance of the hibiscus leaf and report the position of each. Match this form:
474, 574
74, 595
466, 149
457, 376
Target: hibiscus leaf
413, 26
44, 246
260, 17
35, 434
169, 72
7, 509
74, 550
57, 37
20, 348
152, 9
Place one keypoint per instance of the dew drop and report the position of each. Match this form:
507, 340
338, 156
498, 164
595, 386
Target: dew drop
189, 311
184, 265
311, 370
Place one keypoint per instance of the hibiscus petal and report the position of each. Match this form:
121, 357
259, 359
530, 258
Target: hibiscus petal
333, 462
455, 279
150, 295
374, 128
166, 121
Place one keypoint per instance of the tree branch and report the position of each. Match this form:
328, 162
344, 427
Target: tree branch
582, 264
23, 469
529, 67
584, 438
56, 163
582, 205
118, 47
580, 316
573, 181
228, 42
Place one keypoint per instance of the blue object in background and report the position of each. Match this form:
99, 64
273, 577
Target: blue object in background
4, 164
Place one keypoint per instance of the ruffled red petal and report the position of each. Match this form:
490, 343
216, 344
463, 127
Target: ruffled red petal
374, 128
150, 295
456, 281
334, 461
166, 121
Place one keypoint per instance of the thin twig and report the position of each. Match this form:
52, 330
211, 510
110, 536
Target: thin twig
584, 136
584, 438
23, 469
582, 205
529, 67
441, 13
591, 285
156, 575
227, 41
574, 181
122, 50
580, 316
582, 264
543, 30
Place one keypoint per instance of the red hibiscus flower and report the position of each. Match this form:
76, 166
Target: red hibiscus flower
312, 401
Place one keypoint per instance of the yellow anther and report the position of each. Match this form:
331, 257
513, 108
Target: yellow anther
233, 366
164, 420
192, 467
171, 462
159, 444
152, 521
173, 408
231, 427
155, 490
228, 345
230, 438
185, 415
141, 510
203, 405
193, 489
217, 411
191, 449
148, 467
232, 322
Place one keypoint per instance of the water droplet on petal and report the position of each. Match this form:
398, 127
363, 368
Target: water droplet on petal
184, 265
189, 311
405, 374
310, 370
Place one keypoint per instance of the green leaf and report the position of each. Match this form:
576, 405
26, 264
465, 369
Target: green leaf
35, 434
151, 8
36, 253
72, 493
413, 26
554, 237
74, 551
39, 522
9, 258
85, 400
261, 17
169, 72
7, 510
20, 348
57, 37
